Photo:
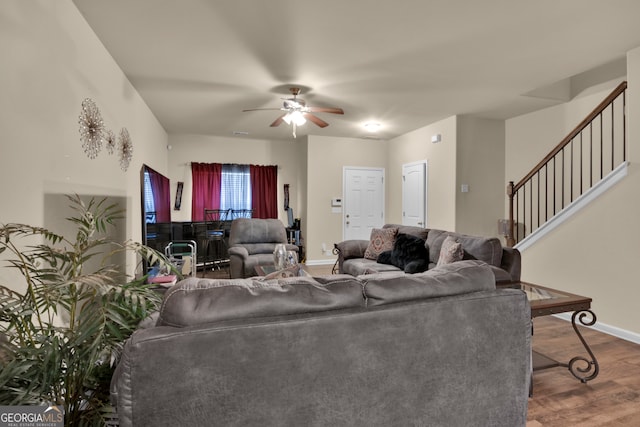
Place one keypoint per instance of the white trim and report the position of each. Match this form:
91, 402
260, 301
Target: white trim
320, 261
607, 329
574, 207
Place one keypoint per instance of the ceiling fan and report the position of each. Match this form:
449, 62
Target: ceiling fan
297, 112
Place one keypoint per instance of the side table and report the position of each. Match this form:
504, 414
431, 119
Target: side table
546, 301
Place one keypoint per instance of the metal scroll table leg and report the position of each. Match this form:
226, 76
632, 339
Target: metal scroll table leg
580, 367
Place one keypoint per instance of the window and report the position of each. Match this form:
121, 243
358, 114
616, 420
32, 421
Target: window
235, 187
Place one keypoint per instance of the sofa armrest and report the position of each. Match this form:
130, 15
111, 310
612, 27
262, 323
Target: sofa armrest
120, 394
239, 251
511, 262
349, 249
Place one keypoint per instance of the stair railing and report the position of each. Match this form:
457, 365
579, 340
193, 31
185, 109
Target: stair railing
590, 151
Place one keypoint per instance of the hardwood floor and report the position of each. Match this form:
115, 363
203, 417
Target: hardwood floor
612, 399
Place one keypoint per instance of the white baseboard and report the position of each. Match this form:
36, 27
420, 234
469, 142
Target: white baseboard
607, 329
320, 261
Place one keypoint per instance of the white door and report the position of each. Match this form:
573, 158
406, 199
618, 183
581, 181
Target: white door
362, 201
414, 194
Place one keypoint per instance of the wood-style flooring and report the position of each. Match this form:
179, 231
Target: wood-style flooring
612, 399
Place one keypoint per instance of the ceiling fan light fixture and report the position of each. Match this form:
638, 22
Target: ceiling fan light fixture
296, 117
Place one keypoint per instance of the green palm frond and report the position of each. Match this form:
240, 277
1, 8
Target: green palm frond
65, 331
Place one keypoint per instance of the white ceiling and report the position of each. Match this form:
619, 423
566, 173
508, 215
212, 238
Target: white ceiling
403, 63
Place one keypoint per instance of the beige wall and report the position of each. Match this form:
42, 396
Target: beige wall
441, 178
531, 136
313, 166
326, 159
594, 253
287, 155
480, 165
52, 61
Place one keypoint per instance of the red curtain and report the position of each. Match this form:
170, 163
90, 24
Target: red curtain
264, 191
161, 196
207, 179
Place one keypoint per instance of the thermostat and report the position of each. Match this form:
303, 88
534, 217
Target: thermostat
336, 203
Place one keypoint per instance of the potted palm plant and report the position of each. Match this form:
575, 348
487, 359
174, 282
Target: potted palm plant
60, 337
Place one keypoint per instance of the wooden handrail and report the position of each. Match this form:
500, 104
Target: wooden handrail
583, 124
513, 190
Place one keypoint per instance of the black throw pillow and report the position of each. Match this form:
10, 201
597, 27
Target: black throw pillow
409, 253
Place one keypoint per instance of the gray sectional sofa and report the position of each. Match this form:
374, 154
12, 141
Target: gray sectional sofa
503, 261
439, 348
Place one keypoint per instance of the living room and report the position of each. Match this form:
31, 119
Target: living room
53, 60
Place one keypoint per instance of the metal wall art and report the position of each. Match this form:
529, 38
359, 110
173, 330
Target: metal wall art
91, 129
125, 149
93, 134
110, 141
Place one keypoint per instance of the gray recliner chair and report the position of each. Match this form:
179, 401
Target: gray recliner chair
252, 242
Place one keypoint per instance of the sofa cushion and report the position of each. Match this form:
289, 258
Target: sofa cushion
358, 266
195, 301
409, 253
381, 240
451, 251
450, 279
487, 249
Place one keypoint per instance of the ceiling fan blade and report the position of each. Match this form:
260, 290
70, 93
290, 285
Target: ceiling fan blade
325, 110
277, 121
317, 120
261, 109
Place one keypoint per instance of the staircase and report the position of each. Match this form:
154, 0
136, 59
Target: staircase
589, 160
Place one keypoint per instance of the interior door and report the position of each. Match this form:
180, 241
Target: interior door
414, 194
363, 202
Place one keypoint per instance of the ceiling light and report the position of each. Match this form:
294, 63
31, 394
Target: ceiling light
372, 126
296, 117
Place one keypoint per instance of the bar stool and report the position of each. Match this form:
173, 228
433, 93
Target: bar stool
214, 238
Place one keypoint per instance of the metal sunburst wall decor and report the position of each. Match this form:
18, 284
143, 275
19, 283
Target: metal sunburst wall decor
91, 128
93, 134
125, 149
110, 141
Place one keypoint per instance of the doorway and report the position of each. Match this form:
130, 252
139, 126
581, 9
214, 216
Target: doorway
363, 202
414, 194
